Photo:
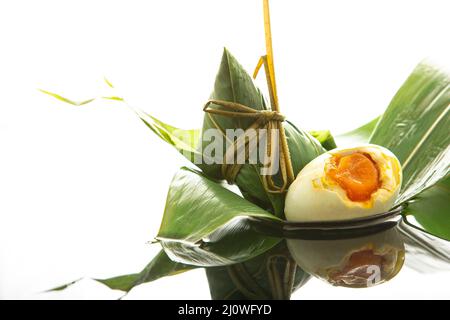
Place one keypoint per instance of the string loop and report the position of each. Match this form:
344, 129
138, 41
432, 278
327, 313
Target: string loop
264, 119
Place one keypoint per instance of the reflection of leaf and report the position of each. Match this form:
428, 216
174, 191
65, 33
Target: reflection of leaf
160, 266
205, 224
431, 209
415, 127
61, 98
426, 253
255, 279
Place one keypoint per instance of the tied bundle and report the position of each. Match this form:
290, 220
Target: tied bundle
265, 120
236, 103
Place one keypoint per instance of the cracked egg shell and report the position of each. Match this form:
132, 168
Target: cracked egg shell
345, 184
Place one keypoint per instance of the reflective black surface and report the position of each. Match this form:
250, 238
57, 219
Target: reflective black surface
339, 229
362, 252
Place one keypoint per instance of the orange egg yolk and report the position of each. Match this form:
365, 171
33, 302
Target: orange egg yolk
356, 173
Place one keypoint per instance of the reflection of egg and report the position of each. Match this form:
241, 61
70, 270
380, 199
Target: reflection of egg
356, 263
344, 184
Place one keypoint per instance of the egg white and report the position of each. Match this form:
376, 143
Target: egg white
315, 197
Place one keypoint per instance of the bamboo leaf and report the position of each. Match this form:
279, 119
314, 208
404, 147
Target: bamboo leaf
206, 225
108, 83
431, 209
160, 266
359, 135
415, 128
232, 84
325, 138
114, 98
63, 99
64, 286
185, 141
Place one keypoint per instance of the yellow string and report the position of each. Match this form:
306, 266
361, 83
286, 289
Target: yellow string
263, 119
269, 52
268, 119
258, 67
267, 61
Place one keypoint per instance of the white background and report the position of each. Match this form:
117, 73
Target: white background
82, 189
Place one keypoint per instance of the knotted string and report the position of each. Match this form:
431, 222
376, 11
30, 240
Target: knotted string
264, 119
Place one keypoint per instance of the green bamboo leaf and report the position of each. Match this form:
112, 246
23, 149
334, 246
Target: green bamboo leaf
357, 136
232, 84
113, 98
63, 99
415, 127
207, 225
431, 209
419, 100
325, 138
185, 141
108, 83
160, 266
64, 286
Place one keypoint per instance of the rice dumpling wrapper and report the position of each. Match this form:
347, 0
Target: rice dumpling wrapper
234, 84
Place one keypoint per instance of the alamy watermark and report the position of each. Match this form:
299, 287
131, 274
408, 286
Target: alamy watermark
375, 275
235, 146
